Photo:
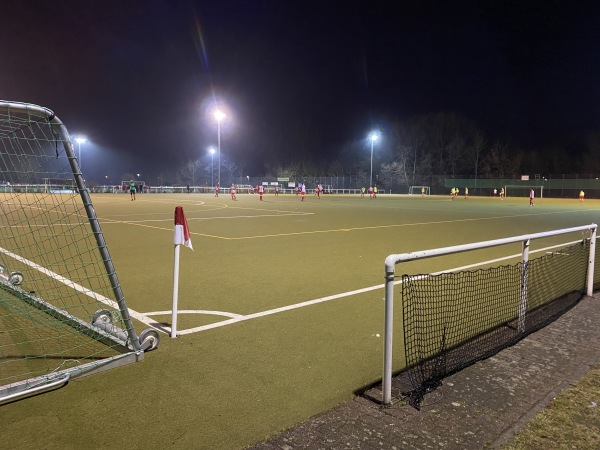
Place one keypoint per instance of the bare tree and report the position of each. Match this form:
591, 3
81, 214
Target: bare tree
455, 151
497, 160
336, 168
231, 170
590, 161
394, 174
475, 152
412, 137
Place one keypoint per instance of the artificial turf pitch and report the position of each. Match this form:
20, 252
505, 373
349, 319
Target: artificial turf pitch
235, 385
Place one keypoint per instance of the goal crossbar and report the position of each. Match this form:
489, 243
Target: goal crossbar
419, 190
509, 190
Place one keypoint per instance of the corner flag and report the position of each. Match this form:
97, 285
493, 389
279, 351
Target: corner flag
182, 232
182, 237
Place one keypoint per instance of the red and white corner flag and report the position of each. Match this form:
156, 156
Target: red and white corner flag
182, 232
182, 237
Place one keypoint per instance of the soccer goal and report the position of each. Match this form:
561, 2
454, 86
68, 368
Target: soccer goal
418, 190
62, 310
523, 191
452, 319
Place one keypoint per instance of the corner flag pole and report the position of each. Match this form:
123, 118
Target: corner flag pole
175, 293
182, 236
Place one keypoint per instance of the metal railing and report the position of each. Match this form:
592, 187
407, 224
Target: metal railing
390, 268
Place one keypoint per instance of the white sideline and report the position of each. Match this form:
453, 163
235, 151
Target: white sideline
144, 317
78, 287
241, 318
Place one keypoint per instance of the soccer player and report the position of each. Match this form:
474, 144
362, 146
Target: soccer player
581, 195
422, 192
276, 191
132, 190
502, 193
466, 193
217, 190
371, 192
531, 196
362, 192
261, 191
232, 190
374, 191
303, 189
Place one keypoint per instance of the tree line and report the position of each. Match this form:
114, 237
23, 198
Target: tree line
410, 151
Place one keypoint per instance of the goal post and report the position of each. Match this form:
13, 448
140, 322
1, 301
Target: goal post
519, 190
62, 310
419, 190
60, 186
452, 319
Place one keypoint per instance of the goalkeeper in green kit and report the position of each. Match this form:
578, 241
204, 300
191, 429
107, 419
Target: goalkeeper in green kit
132, 190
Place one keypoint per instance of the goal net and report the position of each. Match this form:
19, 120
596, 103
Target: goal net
523, 191
418, 190
452, 319
62, 310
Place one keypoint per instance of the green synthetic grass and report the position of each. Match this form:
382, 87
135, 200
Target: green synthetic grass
235, 385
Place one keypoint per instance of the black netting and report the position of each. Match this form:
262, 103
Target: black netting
452, 320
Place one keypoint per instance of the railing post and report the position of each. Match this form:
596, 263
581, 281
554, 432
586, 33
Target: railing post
388, 333
524, 276
590, 279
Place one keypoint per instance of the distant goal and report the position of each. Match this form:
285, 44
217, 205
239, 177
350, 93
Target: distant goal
418, 190
523, 191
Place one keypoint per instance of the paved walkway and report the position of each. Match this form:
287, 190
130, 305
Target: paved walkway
480, 407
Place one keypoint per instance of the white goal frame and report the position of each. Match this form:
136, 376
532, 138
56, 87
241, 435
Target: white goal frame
28, 131
536, 187
412, 189
390, 271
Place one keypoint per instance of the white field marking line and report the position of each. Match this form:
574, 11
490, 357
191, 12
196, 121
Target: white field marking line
77, 287
43, 226
139, 223
170, 201
372, 227
281, 214
191, 219
241, 318
119, 200
163, 213
196, 311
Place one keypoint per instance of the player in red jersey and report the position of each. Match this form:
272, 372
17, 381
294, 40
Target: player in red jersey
531, 196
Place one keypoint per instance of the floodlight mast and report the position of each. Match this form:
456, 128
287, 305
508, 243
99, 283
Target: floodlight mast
212, 166
80, 140
373, 137
219, 116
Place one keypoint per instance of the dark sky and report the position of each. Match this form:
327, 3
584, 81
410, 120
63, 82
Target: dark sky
296, 77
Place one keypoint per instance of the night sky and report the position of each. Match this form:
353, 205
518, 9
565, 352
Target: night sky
297, 79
